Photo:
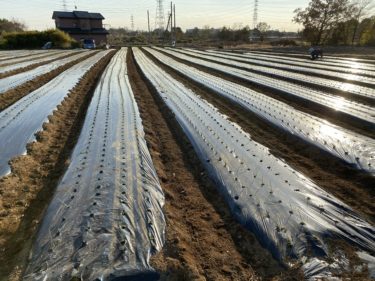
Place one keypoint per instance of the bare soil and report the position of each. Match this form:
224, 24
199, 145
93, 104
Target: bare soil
203, 242
13, 95
340, 179
27, 191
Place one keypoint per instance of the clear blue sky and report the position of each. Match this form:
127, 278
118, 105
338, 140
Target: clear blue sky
36, 14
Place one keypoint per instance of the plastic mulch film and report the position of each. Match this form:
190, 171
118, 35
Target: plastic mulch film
105, 219
359, 63
29, 59
344, 144
51, 56
261, 64
20, 122
340, 104
23, 77
289, 214
363, 76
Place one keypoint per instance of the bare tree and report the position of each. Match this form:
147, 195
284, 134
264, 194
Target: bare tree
11, 25
361, 9
321, 16
262, 28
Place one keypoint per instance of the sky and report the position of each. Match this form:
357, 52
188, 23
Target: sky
36, 14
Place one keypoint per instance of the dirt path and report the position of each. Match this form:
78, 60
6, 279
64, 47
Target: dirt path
27, 191
351, 186
203, 240
15, 94
331, 115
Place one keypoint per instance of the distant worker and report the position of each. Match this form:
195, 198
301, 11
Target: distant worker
315, 53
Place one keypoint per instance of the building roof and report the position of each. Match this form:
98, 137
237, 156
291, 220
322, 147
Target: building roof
77, 15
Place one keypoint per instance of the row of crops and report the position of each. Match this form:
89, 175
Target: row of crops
106, 218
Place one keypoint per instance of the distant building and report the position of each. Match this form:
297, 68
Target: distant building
82, 25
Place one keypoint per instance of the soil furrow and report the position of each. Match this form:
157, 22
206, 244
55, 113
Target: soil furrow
203, 241
27, 191
340, 179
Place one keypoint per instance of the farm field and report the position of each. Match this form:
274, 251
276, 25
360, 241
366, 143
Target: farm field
185, 164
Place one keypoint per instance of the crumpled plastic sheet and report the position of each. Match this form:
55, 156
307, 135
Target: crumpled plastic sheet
20, 78
352, 65
308, 70
328, 83
289, 64
20, 122
289, 214
105, 219
344, 144
20, 65
354, 109
29, 58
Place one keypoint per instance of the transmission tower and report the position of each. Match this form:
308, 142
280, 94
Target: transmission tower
64, 5
159, 19
255, 14
132, 22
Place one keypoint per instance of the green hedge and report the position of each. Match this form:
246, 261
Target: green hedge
36, 39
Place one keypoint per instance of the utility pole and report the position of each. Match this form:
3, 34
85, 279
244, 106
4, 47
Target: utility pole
175, 30
172, 20
148, 23
132, 22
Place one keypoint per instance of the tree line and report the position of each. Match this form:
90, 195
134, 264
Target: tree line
338, 22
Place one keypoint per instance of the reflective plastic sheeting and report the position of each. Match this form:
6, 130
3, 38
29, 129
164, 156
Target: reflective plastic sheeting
289, 64
337, 103
14, 63
105, 219
328, 83
52, 56
20, 122
346, 65
309, 70
350, 147
288, 213
23, 77
343, 60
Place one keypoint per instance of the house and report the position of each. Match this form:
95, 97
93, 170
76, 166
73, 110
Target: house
82, 25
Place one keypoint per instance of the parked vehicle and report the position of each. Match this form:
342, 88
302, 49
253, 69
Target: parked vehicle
88, 44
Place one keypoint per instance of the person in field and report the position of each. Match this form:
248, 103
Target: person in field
315, 52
